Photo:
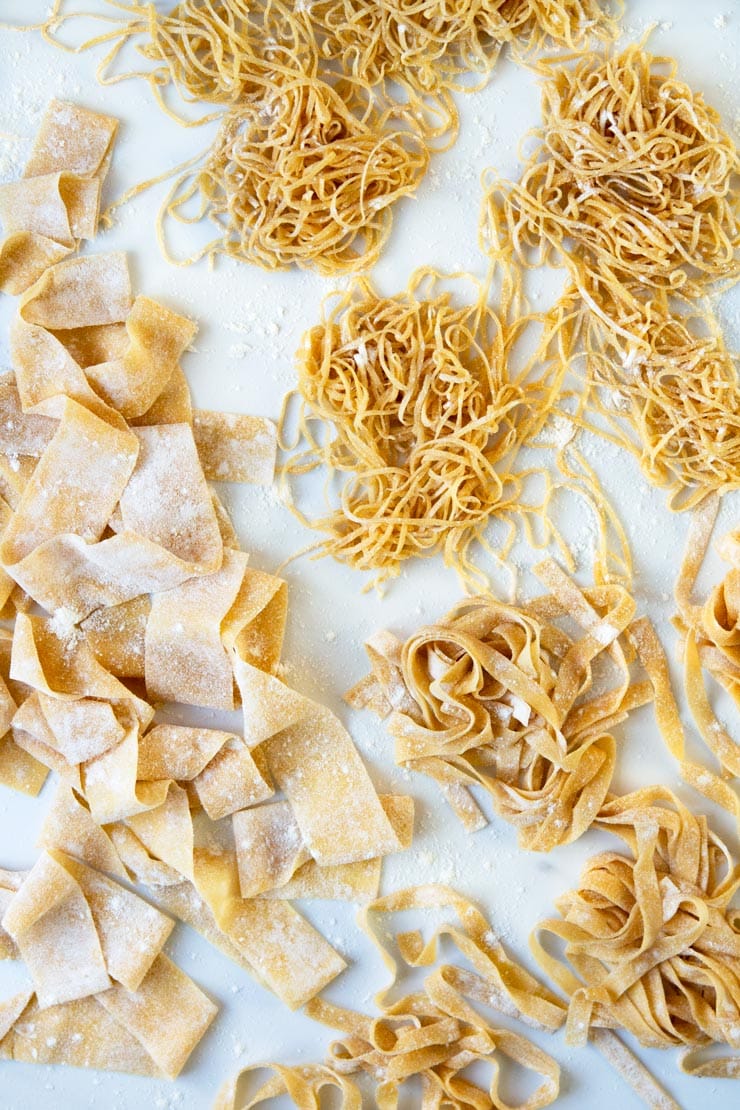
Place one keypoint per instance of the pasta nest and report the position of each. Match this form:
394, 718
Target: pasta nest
676, 383
409, 402
306, 175
221, 51
431, 44
498, 696
650, 935
718, 632
633, 182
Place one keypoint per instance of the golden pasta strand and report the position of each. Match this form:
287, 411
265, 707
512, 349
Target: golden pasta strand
651, 941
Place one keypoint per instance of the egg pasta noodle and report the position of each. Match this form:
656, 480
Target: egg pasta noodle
632, 171
434, 45
633, 187
329, 114
670, 394
417, 409
307, 176
651, 940
502, 697
710, 641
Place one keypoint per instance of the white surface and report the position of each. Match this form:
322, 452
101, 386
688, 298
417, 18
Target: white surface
250, 326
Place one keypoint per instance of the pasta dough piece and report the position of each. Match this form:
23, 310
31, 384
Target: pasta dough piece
171, 506
235, 448
74, 927
58, 200
75, 487
285, 951
150, 1032
185, 659
167, 998
346, 824
274, 860
157, 337
24, 257
50, 921
74, 139
80, 293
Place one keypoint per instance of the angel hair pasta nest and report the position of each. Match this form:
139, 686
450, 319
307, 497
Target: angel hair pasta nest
633, 183
651, 935
411, 404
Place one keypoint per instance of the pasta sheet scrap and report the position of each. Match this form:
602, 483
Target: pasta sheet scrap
58, 201
104, 994
127, 591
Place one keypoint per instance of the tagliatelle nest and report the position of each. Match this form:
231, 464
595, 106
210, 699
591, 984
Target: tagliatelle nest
668, 387
413, 405
305, 175
710, 645
431, 44
634, 181
499, 696
651, 936
434, 1034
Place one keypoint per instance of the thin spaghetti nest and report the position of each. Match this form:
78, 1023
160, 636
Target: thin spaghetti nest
305, 175
651, 936
504, 697
432, 44
668, 387
633, 182
411, 405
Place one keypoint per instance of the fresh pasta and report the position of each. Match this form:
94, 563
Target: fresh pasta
412, 403
709, 642
306, 176
435, 1033
667, 387
651, 940
126, 591
330, 109
631, 186
433, 45
497, 696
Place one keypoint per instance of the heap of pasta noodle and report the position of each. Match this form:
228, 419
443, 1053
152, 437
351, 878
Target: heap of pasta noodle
632, 183
650, 935
497, 696
306, 175
123, 586
710, 642
436, 1033
667, 386
634, 187
411, 402
316, 146
431, 45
